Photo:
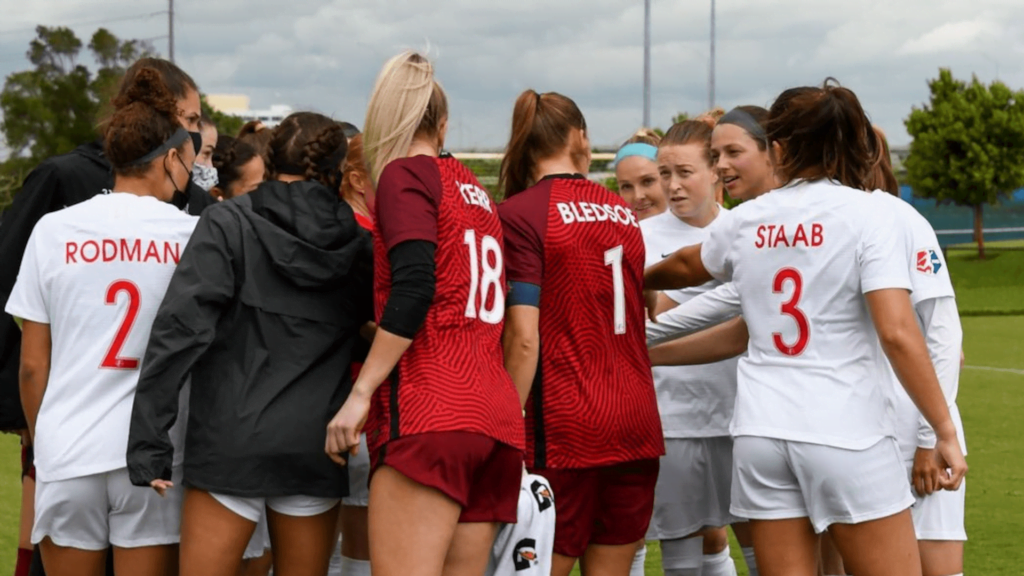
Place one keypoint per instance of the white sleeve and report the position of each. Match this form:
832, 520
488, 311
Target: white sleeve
882, 253
703, 311
29, 300
940, 322
928, 271
716, 251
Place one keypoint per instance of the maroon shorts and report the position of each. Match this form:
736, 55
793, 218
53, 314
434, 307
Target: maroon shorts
480, 473
609, 506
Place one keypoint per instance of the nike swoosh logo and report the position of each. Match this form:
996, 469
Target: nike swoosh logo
667, 255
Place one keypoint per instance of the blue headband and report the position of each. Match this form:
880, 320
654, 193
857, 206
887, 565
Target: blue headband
636, 149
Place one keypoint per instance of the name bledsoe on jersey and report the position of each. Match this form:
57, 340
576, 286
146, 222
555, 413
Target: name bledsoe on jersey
573, 212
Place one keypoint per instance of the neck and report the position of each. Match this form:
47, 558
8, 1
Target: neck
289, 178
138, 185
422, 146
706, 217
561, 164
358, 203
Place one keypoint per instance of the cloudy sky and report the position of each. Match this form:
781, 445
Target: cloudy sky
324, 54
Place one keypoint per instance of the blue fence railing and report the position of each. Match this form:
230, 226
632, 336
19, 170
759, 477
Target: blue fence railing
955, 223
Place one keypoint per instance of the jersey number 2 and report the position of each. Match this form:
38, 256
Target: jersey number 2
790, 309
113, 358
486, 283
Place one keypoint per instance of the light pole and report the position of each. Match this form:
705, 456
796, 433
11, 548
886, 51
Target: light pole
711, 67
647, 63
170, 30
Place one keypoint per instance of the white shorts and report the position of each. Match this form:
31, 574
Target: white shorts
940, 516
259, 542
694, 487
359, 477
96, 511
526, 547
778, 479
254, 509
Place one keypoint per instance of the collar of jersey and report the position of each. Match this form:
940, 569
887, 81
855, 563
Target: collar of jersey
573, 176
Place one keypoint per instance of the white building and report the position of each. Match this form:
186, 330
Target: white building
238, 105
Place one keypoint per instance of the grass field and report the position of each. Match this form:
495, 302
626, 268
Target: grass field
993, 285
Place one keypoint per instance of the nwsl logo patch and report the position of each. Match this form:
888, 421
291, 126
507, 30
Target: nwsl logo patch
928, 262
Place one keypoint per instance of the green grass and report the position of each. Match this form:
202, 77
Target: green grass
991, 403
991, 286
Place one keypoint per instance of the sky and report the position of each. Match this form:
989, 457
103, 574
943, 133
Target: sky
323, 55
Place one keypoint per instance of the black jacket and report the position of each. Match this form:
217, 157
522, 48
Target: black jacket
263, 311
56, 183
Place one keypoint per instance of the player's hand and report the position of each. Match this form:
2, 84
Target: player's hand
651, 302
161, 486
344, 429
949, 458
926, 474
963, 358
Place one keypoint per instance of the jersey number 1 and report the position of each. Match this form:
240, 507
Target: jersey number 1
613, 258
113, 358
490, 279
790, 309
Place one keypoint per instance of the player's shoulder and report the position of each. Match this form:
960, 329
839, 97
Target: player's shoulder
401, 170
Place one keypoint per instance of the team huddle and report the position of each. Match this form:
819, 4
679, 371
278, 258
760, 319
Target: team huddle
357, 340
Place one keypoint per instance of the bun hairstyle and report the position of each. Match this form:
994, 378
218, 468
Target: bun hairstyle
644, 136
753, 120
304, 144
542, 125
145, 118
407, 101
228, 158
823, 133
697, 131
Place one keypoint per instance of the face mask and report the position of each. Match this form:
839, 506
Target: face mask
204, 176
197, 141
179, 199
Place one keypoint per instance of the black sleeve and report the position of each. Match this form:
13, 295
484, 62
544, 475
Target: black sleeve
412, 287
201, 287
41, 193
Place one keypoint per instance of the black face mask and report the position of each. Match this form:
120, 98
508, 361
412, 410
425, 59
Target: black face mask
180, 197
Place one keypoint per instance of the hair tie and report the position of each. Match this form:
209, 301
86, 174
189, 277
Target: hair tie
635, 149
744, 120
176, 139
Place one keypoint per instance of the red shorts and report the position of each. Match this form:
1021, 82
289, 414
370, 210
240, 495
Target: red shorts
480, 473
610, 505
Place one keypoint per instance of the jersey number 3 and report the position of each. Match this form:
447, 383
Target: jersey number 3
113, 358
486, 283
790, 309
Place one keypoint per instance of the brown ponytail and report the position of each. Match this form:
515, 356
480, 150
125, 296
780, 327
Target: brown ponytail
324, 157
824, 133
541, 128
145, 116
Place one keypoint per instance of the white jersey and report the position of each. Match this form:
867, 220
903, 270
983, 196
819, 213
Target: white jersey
937, 314
694, 401
96, 272
527, 546
703, 311
801, 258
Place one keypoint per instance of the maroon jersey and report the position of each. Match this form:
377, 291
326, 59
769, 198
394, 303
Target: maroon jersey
452, 377
593, 402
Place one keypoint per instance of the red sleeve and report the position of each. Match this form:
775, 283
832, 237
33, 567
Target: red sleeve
408, 197
524, 221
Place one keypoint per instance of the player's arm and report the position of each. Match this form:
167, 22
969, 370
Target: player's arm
202, 286
409, 193
682, 269
726, 340
521, 339
704, 311
34, 371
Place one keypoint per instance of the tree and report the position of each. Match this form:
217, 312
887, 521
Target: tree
968, 145
56, 106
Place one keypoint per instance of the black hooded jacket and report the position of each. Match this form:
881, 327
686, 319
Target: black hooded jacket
263, 312
56, 183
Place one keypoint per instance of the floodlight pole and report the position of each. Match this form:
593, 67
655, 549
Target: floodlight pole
711, 67
647, 63
170, 30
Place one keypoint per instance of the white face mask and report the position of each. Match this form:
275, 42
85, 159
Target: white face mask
204, 176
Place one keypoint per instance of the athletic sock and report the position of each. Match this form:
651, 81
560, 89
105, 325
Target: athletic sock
682, 557
637, 569
24, 562
748, 555
720, 564
353, 567
334, 568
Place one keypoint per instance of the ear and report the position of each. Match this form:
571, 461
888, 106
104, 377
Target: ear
217, 193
